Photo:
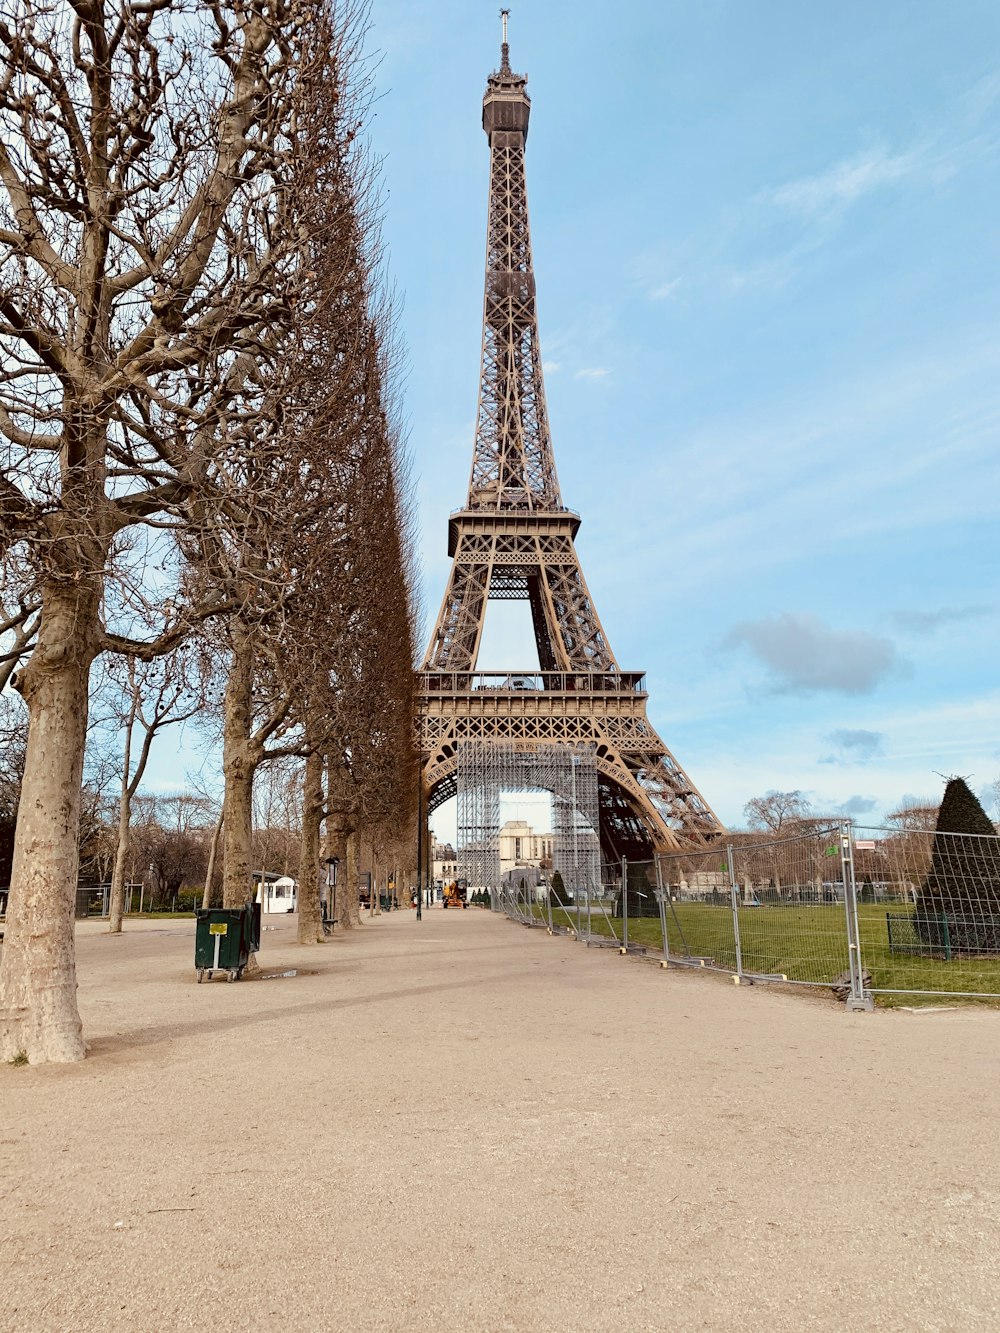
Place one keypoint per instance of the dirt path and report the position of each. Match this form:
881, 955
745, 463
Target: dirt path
464, 1125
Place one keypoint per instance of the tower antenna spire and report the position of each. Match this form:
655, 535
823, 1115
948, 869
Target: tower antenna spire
504, 49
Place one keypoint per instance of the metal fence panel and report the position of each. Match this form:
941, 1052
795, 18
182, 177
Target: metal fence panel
699, 922
864, 911
793, 899
929, 911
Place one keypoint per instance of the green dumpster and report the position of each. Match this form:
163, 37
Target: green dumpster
225, 937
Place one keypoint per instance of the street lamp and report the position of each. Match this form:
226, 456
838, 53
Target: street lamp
331, 889
420, 846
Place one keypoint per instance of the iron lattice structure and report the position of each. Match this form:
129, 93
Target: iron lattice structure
516, 540
485, 769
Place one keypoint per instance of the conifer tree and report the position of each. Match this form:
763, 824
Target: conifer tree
961, 894
558, 890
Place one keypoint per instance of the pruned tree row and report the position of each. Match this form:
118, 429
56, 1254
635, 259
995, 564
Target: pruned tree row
201, 445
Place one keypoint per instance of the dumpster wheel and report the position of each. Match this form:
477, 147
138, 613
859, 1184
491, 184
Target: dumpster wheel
233, 974
201, 975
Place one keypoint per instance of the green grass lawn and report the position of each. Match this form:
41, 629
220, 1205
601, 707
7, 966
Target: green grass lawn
160, 916
803, 943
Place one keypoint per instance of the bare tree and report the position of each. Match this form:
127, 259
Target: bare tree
18, 627
213, 853
310, 911
171, 837
155, 695
312, 544
13, 738
146, 270
277, 818
777, 812
915, 815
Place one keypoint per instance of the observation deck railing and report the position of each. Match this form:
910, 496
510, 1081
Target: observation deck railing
532, 682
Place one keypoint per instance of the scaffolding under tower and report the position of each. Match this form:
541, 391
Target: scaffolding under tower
485, 770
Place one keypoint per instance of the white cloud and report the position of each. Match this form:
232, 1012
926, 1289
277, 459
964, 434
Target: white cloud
889, 451
550, 367
768, 275
804, 655
854, 746
592, 373
831, 192
665, 290
957, 736
926, 622
982, 97
860, 805
846, 181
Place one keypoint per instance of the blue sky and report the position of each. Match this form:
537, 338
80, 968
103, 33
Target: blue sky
768, 268
769, 290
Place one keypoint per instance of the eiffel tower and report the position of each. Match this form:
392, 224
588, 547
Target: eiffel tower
515, 540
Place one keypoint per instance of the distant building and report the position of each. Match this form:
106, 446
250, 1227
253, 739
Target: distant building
520, 845
444, 863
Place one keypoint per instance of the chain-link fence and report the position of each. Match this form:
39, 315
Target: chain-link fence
929, 911
864, 912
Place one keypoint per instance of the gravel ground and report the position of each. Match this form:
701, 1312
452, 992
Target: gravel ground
465, 1125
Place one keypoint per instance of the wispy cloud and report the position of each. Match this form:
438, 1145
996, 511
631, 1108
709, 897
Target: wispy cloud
768, 274
854, 746
845, 182
860, 805
926, 622
664, 291
982, 97
592, 373
917, 428
803, 655
820, 200
550, 367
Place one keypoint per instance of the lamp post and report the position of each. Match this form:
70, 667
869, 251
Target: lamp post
420, 846
331, 888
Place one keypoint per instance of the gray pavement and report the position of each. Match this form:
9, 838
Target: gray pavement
463, 1125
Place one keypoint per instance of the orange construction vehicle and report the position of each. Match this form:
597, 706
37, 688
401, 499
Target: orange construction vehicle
453, 895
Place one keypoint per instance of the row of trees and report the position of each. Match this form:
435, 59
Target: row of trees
203, 487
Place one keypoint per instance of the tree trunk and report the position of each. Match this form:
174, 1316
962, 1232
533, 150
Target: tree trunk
239, 763
117, 909
124, 820
310, 912
376, 896
213, 852
337, 830
38, 1010
350, 912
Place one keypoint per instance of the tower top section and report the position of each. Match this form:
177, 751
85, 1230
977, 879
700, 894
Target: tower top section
506, 104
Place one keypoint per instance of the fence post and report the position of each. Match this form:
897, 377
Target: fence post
663, 907
733, 898
625, 901
857, 999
